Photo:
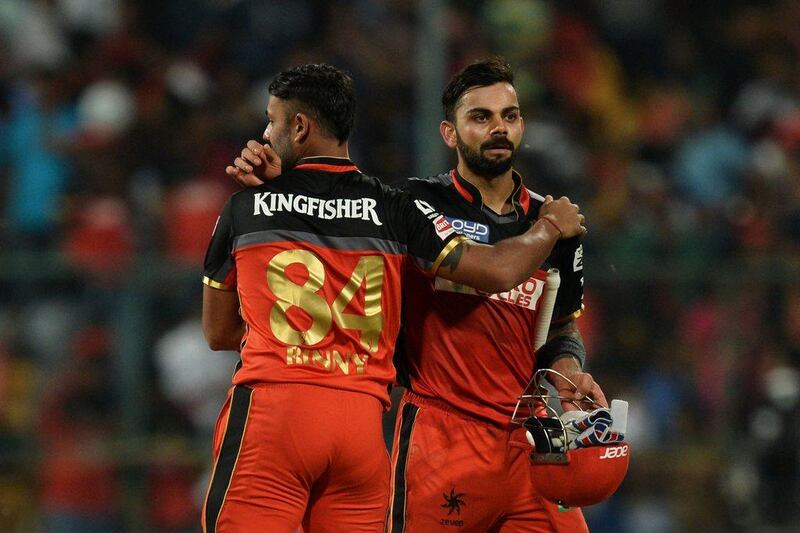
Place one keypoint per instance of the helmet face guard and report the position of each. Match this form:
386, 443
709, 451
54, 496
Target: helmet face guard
549, 437
573, 466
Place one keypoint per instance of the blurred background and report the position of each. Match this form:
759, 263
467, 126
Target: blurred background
675, 125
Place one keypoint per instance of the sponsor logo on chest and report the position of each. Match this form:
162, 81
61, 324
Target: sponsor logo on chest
469, 228
268, 203
526, 294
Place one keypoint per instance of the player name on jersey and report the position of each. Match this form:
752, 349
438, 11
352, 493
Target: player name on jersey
267, 203
330, 360
526, 294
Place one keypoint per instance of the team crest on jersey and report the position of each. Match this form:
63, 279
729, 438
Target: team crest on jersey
469, 228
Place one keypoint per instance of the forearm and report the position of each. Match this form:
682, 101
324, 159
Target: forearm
502, 266
222, 325
521, 256
229, 339
577, 388
564, 346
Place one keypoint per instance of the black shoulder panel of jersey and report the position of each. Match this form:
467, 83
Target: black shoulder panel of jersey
327, 187
431, 188
344, 209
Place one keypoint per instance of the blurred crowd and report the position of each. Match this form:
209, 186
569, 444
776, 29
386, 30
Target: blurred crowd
675, 125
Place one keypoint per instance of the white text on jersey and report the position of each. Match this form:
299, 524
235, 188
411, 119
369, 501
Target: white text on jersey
526, 294
266, 203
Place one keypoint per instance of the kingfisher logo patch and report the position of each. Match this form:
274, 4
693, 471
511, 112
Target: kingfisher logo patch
469, 228
268, 203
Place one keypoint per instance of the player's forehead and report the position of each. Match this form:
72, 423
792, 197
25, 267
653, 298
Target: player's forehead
495, 97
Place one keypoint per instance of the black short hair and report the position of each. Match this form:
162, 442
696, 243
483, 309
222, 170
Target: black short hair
481, 73
324, 91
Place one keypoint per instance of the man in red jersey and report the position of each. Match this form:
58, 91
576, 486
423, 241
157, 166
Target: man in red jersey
458, 463
303, 274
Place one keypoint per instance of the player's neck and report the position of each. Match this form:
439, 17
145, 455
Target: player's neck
495, 191
325, 147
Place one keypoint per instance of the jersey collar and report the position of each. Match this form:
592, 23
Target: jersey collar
326, 164
520, 198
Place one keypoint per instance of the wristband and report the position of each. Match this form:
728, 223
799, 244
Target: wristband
564, 345
547, 218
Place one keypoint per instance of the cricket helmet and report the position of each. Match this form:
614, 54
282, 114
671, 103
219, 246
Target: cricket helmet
579, 458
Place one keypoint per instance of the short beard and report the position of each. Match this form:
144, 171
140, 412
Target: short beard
482, 165
286, 154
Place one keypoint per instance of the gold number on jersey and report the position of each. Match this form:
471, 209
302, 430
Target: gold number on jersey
368, 272
304, 296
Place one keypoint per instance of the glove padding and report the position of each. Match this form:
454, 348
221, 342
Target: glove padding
590, 429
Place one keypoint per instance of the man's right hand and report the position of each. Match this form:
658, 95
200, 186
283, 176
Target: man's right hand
257, 164
564, 215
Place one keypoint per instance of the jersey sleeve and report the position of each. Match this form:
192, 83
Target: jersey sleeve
428, 235
569, 261
219, 268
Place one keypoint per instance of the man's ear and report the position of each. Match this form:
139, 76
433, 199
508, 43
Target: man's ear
301, 127
448, 131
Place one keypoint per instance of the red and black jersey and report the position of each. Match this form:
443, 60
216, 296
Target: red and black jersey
474, 350
317, 257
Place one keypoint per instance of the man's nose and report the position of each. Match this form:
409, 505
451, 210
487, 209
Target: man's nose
498, 126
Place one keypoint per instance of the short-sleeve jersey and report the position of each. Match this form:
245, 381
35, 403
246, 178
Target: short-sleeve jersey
317, 257
474, 350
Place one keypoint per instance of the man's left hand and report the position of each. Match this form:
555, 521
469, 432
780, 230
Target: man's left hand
575, 398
